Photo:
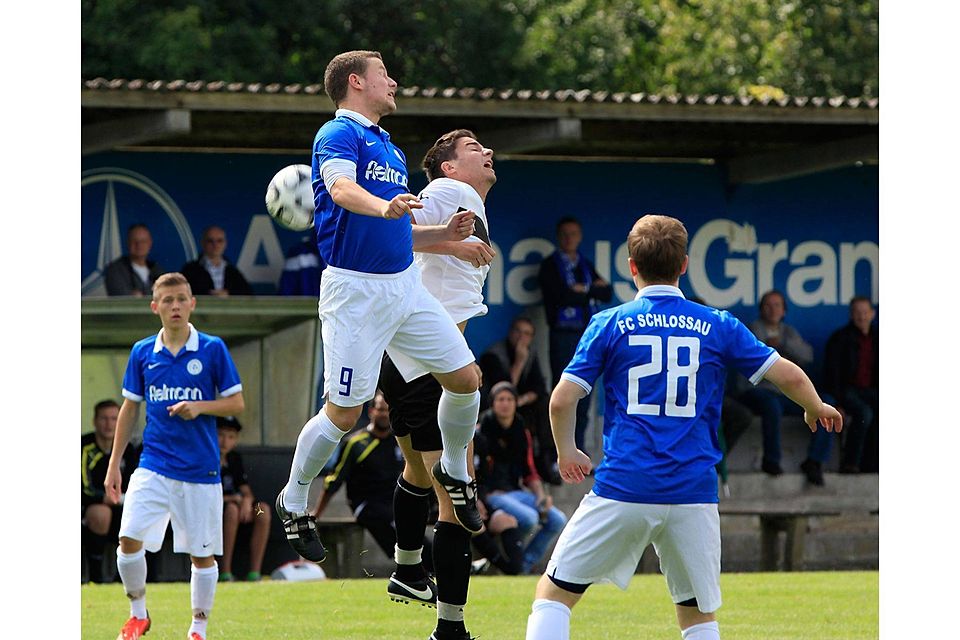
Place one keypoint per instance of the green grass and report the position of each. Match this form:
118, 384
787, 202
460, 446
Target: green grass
757, 606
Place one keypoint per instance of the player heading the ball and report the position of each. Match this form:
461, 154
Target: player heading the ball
371, 295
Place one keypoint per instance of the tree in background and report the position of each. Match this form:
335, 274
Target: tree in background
757, 47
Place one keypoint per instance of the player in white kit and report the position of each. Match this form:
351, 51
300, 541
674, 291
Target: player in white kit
460, 170
663, 360
371, 296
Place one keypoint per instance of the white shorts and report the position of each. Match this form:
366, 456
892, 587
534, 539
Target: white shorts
362, 314
605, 538
195, 510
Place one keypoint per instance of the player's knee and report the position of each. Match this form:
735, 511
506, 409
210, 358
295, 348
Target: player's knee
344, 418
98, 518
129, 545
231, 512
463, 380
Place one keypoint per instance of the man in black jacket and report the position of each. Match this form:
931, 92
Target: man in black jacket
571, 290
852, 374
212, 274
134, 273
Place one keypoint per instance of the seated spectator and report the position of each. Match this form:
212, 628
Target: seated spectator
301, 270
100, 520
515, 360
851, 373
134, 273
770, 404
240, 508
212, 274
508, 555
369, 464
572, 290
510, 463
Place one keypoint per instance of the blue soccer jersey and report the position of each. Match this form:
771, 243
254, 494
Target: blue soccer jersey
353, 241
185, 450
664, 360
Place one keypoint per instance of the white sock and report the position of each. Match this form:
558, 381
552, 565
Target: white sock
457, 415
203, 586
702, 631
132, 568
317, 442
407, 556
550, 620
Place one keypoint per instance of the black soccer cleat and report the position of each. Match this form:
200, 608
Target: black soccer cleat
465, 635
422, 591
301, 530
463, 495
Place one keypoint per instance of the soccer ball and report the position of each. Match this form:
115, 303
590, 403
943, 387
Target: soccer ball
290, 198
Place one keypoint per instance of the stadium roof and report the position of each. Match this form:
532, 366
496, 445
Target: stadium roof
755, 139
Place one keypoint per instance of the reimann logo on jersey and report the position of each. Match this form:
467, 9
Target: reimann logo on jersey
165, 393
380, 173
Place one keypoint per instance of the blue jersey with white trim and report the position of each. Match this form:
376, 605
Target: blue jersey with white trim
664, 360
185, 450
350, 240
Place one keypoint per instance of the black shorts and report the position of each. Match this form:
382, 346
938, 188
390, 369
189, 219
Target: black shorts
413, 406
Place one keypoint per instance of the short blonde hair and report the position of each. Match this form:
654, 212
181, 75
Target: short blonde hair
171, 279
658, 246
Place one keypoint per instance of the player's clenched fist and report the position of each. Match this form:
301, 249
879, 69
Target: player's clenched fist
401, 205
476, 253
460, 225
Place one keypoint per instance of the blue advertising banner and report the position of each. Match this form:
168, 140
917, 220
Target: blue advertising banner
815, 238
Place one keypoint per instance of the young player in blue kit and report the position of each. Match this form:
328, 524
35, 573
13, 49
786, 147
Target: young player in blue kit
178, 373
663, 361
371, 295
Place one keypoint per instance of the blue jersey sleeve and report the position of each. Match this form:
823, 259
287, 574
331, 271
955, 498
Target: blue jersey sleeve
591, 356
336, 141
133, 377
743, 351
228, 380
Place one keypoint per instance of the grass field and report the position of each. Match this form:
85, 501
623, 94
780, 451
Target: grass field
757, 606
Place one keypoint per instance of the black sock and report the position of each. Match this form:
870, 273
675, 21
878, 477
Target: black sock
512, 542
455, 628
451, 558
411, 505
94, 545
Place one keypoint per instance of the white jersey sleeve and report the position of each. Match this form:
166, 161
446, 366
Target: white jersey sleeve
457, 284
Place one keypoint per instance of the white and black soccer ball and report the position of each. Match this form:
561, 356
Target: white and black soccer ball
290, 197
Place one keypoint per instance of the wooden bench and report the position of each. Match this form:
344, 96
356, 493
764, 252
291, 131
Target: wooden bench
774, 518
343, 539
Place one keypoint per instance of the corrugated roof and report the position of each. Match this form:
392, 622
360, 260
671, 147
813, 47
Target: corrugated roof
488, 94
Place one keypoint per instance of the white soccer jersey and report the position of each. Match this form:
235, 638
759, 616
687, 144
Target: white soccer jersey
457, 284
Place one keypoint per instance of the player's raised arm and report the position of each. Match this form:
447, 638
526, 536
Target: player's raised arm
795, 384
113, 482
354, 198
573, 463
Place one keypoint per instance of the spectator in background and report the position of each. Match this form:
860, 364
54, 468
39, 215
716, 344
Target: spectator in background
508, 555
240, 508
301, 270
513, 484
100, 520
369, 465
515, 360
767, 401
212, 274
851, 372
572, 289
134, 273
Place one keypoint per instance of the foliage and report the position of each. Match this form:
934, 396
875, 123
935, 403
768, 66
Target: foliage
801, 47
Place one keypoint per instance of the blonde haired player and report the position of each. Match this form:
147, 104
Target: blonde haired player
178, 373
663, 361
